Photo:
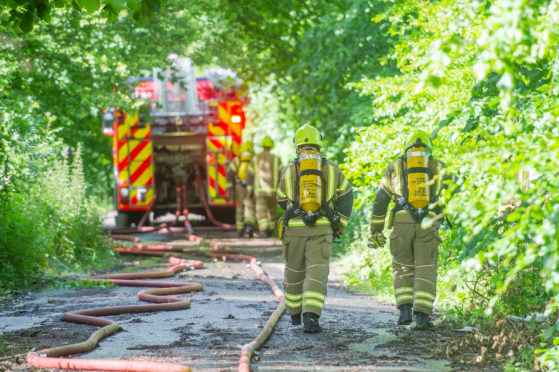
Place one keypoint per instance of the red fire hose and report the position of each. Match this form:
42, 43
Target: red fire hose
103, 365
248, 349
207, 206
260, 340
47, 357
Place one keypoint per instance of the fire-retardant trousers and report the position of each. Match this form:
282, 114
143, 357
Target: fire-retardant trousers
266, 212
415, 252
306, 272
241, 195
244, 212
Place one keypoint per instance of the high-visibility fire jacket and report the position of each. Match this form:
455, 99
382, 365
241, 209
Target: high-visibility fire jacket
391, 188
264, 173
338, 196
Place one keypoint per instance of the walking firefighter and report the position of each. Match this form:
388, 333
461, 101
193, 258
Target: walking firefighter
317, 200
263, 177
414, 182
237, 184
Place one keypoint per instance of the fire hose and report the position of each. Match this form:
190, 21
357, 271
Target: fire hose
249, 349
207, 206
49, 358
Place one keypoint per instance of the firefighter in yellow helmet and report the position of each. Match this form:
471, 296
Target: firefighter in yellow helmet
263, 177
414, 182
317, 200
237, 185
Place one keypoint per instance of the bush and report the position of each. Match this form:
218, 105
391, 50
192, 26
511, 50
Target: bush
47, 222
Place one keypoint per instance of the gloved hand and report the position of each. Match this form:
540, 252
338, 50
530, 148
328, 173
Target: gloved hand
376, 240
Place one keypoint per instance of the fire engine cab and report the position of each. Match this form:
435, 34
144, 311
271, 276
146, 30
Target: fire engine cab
171, 154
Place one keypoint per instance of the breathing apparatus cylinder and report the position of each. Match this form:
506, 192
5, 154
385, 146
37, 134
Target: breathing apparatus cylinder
310, 181
417, 160
242, 173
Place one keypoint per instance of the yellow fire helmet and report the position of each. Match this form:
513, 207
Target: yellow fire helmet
267, 142
416, 136
247, 146
307, 135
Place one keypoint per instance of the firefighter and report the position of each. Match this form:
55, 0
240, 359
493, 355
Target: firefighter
317, 200
237, 174
414, 182
263, 176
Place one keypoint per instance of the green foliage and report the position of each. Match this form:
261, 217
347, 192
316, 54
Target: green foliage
307, 52
23, 15
62, 73
367, 269
84, 283
47, 224
481, 76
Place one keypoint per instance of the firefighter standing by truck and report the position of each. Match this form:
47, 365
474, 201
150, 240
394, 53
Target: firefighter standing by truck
237, 174
414, 181
263, 177
317, 200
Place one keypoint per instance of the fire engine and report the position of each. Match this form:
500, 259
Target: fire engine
171, 154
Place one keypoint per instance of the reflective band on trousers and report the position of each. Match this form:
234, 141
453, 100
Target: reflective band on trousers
293, 301
311, 298
403, 290
308, 294
312, 302
425, 295
403, 294
423, 302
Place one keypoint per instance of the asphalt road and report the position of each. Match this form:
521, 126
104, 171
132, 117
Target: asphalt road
359, 334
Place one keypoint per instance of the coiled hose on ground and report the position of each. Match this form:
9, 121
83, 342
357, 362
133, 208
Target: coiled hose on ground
49, 358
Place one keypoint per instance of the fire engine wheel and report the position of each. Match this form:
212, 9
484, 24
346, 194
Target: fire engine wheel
127, 218
224, 214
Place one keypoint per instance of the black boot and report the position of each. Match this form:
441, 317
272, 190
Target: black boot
248, 230
405, 314
296, 319
422, 321
311, 325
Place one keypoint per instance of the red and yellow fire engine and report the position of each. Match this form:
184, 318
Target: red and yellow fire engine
171, 155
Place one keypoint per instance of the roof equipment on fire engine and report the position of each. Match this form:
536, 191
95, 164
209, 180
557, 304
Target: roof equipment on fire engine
175, 89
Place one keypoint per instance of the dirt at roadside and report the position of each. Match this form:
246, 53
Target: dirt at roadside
359, 333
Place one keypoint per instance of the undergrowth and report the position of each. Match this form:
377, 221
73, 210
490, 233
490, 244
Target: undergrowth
512, 334
48, 224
